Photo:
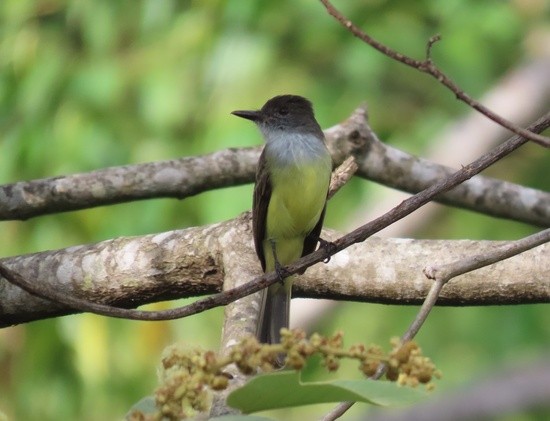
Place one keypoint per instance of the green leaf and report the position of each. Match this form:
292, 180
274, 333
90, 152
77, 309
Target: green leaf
284, 389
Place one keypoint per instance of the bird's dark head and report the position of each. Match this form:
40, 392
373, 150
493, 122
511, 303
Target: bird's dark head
283, 112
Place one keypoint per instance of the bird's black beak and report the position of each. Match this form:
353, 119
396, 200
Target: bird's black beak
249, 115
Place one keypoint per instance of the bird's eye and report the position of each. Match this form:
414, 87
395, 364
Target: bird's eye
283, 111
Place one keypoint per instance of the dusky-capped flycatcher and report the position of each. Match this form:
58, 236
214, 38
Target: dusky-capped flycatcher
290, 198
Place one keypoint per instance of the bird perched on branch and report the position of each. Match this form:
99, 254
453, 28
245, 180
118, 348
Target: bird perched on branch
290, 196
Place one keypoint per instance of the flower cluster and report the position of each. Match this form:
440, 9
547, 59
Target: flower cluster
186, 377
409, 367
189, 374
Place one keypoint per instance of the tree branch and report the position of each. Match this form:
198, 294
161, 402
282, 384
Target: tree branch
189, 176
394, 168
132, 271
427, 66
178, 178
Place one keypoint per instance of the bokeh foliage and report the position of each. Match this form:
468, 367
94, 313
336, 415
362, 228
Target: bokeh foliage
86, 84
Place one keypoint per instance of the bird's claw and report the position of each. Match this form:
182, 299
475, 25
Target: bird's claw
282, 273
329, 247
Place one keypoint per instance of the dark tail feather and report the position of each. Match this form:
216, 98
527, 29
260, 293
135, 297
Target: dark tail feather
274, 315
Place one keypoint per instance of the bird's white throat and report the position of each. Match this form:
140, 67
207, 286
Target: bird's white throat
293, 148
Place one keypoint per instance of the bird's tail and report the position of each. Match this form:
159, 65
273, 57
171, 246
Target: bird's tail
274, 313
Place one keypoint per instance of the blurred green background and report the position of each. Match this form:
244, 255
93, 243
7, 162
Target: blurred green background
87, 84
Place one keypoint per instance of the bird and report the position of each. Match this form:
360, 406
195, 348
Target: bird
289, 200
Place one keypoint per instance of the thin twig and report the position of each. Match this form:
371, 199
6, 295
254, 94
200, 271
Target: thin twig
428, 67
342, 175
443, 274
337, 411
431, 42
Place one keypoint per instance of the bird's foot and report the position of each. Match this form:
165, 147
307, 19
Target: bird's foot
282, 273
329, 247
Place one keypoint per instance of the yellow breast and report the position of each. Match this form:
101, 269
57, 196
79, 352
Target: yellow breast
297, 200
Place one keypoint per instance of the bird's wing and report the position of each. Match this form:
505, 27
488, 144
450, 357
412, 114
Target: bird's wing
311, 240
260, 202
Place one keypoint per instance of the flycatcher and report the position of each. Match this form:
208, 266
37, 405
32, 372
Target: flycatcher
290, 198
